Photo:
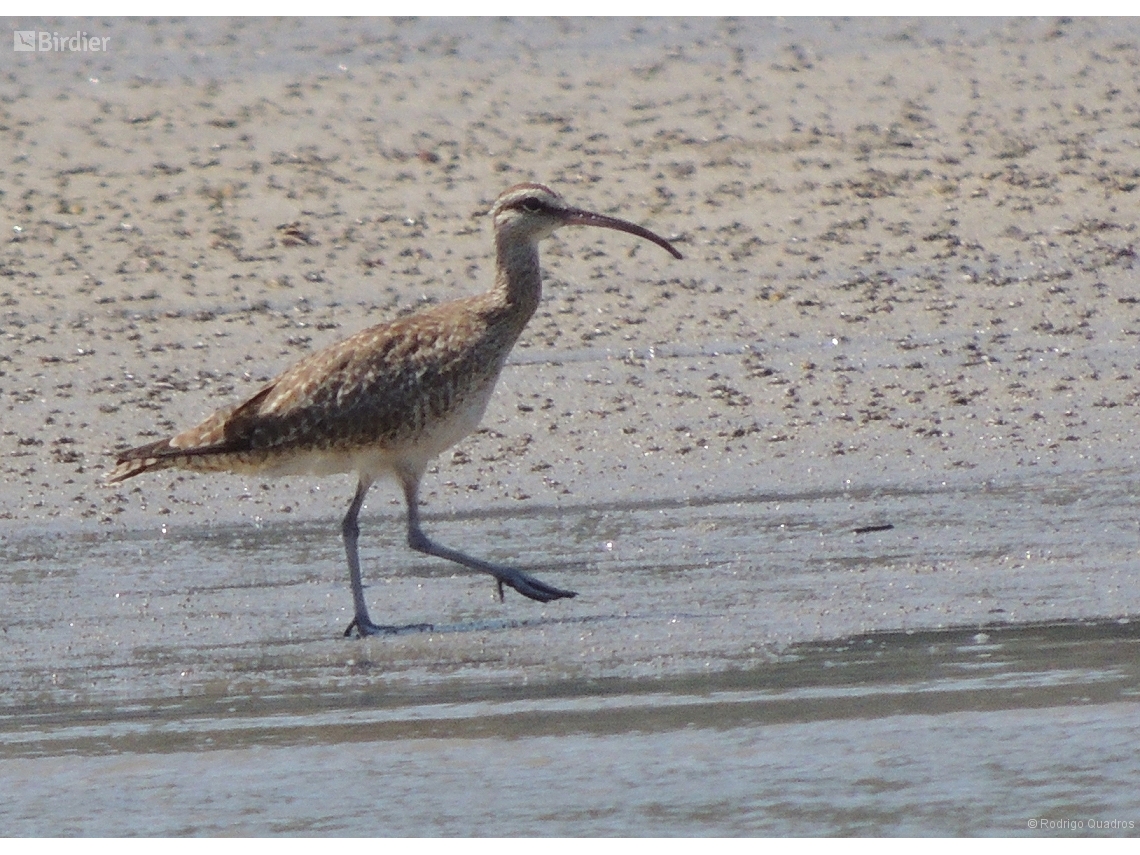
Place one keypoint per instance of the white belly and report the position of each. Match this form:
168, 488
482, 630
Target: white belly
409, 456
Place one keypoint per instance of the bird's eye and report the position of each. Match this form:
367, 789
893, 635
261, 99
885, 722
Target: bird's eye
531, 205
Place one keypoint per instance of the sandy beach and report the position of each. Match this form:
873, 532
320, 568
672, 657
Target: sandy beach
892, 386
902, 267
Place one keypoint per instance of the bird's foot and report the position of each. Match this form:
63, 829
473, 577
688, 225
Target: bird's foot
365, 627
531, 587
526, 585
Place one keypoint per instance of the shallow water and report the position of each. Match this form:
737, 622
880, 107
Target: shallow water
737, 665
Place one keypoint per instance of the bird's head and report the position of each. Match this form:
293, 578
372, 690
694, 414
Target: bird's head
527, 213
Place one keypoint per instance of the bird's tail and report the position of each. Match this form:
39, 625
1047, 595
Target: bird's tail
135, 461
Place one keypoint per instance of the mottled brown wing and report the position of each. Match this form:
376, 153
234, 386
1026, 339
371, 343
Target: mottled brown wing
378, 387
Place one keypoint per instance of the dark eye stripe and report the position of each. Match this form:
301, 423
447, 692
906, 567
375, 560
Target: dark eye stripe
529, 204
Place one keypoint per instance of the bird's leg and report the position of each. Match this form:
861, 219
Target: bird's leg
350, 527
526, 585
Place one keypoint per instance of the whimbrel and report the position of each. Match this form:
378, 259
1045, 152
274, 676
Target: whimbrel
389, 399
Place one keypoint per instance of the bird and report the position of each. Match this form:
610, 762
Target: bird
388, 400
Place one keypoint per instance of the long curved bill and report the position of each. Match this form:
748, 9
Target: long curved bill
581, 217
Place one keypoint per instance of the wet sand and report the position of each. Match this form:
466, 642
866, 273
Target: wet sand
889, 394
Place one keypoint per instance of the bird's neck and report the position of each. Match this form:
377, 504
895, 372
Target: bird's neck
518, 279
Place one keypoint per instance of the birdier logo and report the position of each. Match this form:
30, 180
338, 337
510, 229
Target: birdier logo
43, 41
